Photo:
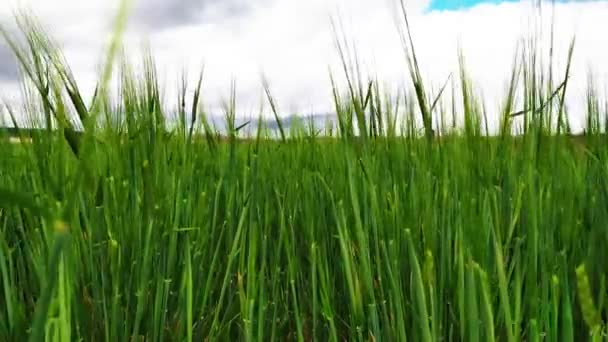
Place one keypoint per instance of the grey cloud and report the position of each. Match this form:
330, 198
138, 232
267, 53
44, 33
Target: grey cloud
162, 14
9, 71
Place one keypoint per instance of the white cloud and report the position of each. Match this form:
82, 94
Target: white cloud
292, 42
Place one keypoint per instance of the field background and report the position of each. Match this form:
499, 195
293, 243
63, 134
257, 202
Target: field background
126, 226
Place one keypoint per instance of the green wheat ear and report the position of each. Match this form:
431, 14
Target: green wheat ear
429, 268
590, 313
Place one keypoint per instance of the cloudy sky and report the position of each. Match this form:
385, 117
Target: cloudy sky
291, 42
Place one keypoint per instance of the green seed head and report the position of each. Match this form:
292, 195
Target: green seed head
588, 309
429, 268
60, 226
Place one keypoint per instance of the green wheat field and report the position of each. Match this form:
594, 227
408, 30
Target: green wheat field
118, 224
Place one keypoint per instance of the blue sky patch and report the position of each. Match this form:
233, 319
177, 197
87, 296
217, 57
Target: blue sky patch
450, 5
